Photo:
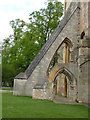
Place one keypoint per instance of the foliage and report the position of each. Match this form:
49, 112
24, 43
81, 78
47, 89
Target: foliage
20, 48
8, 74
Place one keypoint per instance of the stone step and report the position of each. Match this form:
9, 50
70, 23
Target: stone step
63, 100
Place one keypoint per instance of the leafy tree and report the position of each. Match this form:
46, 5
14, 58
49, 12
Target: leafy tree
46, 20
18, 28
8, 73
20, 48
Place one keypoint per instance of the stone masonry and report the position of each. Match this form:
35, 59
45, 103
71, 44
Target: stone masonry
70, 75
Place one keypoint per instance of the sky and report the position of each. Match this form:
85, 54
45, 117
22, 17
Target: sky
14, 9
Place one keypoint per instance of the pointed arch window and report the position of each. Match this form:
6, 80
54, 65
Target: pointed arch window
61, 55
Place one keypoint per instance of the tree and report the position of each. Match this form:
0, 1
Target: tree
20, 48
46, 20
8, 73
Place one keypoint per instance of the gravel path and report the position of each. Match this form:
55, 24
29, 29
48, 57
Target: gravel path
5, 91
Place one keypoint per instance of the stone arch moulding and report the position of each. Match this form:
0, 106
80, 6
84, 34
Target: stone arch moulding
65, 71
71, 90
68, 42
87, 61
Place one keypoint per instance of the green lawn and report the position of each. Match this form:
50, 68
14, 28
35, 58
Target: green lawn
6, 88
26, 107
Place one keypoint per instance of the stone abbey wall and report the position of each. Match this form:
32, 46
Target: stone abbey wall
38, 84
71, 32
39, 74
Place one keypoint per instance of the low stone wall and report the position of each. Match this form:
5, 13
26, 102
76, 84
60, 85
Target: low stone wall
19, 87
43, 92
38, 94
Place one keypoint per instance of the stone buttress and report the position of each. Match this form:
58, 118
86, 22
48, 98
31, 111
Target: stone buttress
72, 32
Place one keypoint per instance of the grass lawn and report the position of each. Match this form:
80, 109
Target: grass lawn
26, 107
6, 88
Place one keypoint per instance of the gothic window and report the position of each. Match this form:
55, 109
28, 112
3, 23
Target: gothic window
61, 55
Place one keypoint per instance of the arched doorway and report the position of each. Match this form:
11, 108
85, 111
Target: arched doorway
64, 84
61, 85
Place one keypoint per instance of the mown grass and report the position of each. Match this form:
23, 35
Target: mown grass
6, 88
26, 107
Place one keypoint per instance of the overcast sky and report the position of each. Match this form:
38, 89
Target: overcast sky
13, 9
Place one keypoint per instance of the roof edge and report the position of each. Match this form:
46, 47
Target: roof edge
21, 76
72, 8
